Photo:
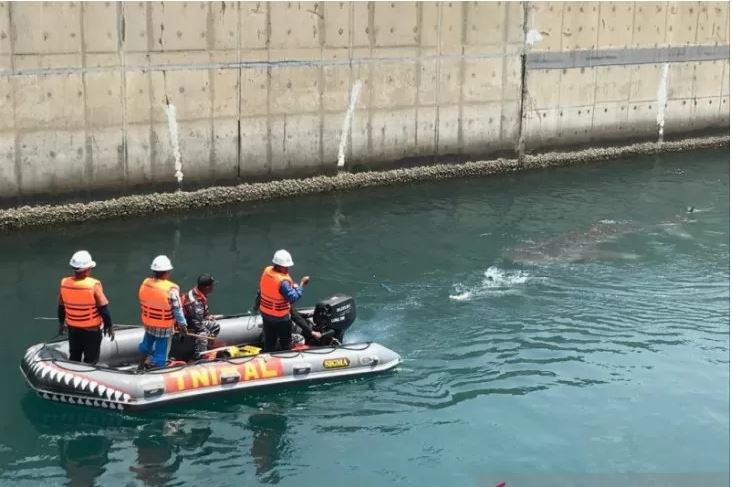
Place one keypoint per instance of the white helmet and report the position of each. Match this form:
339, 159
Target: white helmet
82, 260
283, 258
161, 263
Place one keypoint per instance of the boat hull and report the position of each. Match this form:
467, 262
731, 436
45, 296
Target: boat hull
49, 373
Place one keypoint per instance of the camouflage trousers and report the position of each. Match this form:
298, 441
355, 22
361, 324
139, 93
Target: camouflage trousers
209, 328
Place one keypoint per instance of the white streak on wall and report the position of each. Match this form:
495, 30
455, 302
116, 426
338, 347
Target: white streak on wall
355, 91
533, 36
661, 99
174, 141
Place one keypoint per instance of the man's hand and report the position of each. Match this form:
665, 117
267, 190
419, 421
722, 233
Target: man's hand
304, 281
317, 335
183, 330
109, 331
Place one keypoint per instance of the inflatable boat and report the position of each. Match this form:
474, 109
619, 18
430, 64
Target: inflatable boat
235, 364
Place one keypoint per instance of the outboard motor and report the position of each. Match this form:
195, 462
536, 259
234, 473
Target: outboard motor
335, 313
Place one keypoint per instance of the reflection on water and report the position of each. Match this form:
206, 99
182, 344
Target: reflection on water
268, 444
573, 320
160, 445
84, 458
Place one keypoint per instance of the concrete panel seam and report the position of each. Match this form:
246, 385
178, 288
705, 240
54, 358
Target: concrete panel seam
461, 79
620, 57
88, 149
16, 135
438, 81
285, 63
238, 90
121, 41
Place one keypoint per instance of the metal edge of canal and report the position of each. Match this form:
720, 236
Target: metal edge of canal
137, 205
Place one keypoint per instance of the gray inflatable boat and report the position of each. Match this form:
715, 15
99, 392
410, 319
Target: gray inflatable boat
116, 382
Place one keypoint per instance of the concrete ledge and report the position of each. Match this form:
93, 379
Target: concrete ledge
27, 216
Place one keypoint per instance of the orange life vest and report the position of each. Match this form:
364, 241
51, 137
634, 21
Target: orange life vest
271, 301
154, 303
79, 303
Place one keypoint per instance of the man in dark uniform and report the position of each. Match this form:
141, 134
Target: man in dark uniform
200, 321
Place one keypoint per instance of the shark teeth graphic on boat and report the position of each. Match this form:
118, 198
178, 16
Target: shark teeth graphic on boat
126, 397
67, 378
77, 381
84, 383
101, 390
110, 393
117, 395
52, 375
44, 372
92, 386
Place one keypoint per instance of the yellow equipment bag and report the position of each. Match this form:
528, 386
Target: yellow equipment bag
245, 351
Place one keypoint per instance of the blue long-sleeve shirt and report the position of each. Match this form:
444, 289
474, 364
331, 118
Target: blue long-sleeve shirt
291, 293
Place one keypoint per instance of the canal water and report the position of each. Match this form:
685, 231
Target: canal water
568, 324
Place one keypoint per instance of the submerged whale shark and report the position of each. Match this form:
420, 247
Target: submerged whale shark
575, 246
587, 244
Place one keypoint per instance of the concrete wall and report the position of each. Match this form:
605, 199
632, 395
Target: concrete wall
261, 89
621, 99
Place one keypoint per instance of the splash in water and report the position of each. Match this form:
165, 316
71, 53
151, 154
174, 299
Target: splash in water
495, 281
355, 91
174, 141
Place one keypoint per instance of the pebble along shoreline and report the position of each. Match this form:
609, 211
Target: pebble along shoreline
137, 205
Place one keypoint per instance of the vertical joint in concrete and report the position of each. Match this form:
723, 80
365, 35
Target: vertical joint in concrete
320, 6
417, 73
438, 83
16, 133
238, 90
520, 142
372, 42
268, 42
463, 41
211, 45
121, 40
88, 137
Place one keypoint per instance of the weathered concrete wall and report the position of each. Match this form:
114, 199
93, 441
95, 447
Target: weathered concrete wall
261, 89
624, 97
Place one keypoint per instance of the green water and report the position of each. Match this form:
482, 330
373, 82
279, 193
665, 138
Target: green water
604, 352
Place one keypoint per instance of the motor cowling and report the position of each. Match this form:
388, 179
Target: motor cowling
337, 313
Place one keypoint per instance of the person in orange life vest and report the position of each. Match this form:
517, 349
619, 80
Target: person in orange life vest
82, 308
277, 292
161, 311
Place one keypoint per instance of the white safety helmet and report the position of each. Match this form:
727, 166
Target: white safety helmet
161, 263
82, 260
283, 258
